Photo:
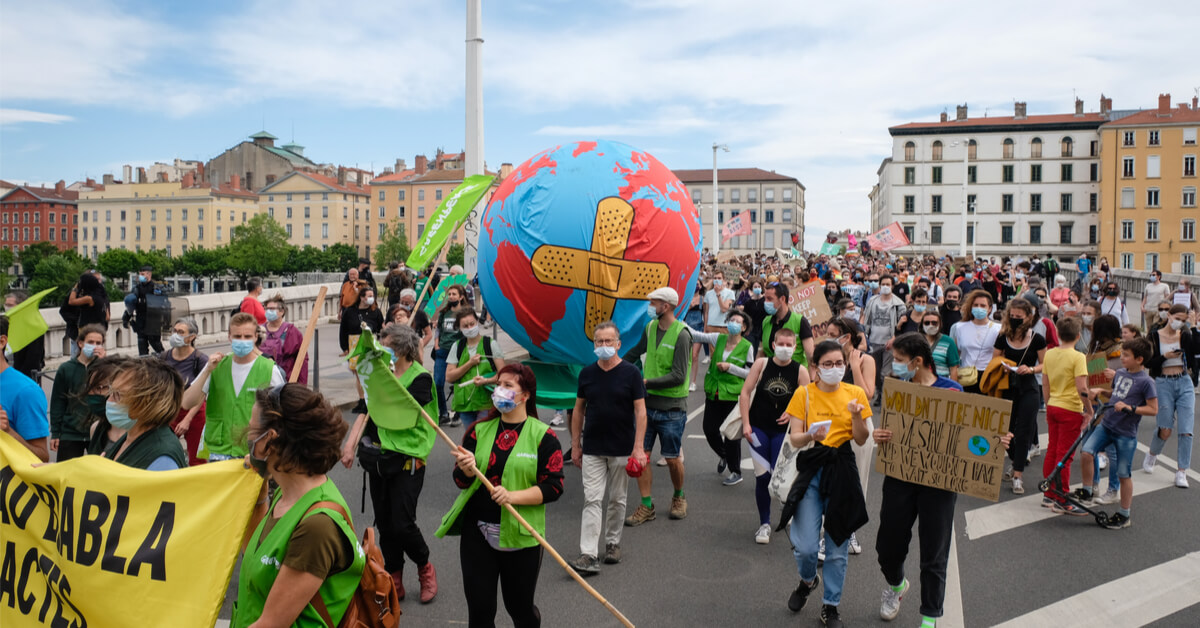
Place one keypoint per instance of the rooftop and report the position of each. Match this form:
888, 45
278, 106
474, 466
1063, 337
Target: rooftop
1179, 115
732, 175
398, 177
46, 194
329, 182
263, 135
997, 123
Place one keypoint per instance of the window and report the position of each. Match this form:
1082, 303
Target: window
420, 211
1007, 174
751, 195
936, 176
401, 211
168, 232
137, 232
307, 213
910, 175
289, 197
1035, 202
721, 216
1189, 197
289, 213
1064, 232
382, 195
1064, 202
64, 234
909, 232
52, 234
400, 196
420, 229
1187, 231
768, 215
787, 215
769, 195
935, 204
183, 232
754, 216
1189, 165
381, 213
345, 212
910, 151
1095, 172
935, 234
787, 195
1035, 148
1092, 234
1127, 198
1128, 141
324, 230
1093, 202
1187, 263
1152, 231
137, 213
271, 198
1127, 261
1008, 148
1153, 171
696, 195
437, 194
1151, 261
1067, 172
153, 234
970, 203
1006, 234
307, 196
307, 233
51, 216
1035, 173
1189, 136
972, 149
382, 230
1035, 234
183, 212
1152, 138
199, 232
421, 195
1095, 149
1152, 197
910, 204
325, 211
1006, 203
970, 174
1127, 167
768, 237
937, 150
721, 195
1068, 147
970, 234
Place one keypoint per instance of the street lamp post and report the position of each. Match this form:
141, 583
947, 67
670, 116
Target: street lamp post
966, 144
716, 245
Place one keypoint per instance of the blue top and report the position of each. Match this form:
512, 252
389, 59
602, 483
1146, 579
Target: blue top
25, 403
947, 383
1084, 266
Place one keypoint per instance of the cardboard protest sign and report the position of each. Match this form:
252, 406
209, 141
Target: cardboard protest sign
1096, 365
943, 438
809, 300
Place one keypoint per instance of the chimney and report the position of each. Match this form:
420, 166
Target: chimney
1078, 107
944, 116
162, 176
108, 179
962, 113
91, 183
1105, 105
1019, 110
1195, 102
60, 187
1164, 104
141, 175
422, 164
235, 181
127, 174
401, 166
505, 170
341, 176
189, 180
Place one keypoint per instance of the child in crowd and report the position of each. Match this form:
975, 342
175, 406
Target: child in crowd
1067, 403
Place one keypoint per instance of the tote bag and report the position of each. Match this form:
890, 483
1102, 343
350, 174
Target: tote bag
784, 473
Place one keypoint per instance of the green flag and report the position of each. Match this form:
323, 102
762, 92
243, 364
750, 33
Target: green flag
795, 254
25, 322
831, 249
392, 407
449, 215
439, 293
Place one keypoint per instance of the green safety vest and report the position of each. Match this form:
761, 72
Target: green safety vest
416, 441
264, 557
227, 415
793, 323
467, 396
726, 386
658, 363
520, 472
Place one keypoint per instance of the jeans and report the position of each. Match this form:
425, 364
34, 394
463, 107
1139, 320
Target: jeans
903, 504
668, 424
1176, 404
765, 453
439, 379
1064, 426
1125, 446
715, 412
600, 472
805, 534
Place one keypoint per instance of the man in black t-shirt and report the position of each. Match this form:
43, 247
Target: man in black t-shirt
607, 426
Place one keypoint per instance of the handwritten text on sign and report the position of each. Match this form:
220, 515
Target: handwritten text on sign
943, 438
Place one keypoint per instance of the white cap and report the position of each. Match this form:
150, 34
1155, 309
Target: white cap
665, 294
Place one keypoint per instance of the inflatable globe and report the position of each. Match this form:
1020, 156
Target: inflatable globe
580, 234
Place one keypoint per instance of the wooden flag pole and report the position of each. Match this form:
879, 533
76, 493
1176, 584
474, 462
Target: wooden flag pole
308, 334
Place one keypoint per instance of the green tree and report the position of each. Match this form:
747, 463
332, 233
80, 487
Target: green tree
203, 263
392, 247
307, 259
117, 264
257, 248
344, 257
33, 255
164, 266
456, 255
60, 272
7, 259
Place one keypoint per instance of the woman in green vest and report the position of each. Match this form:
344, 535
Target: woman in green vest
143, 399
522, 459
302, 564
722, 385
476, 361
395, 464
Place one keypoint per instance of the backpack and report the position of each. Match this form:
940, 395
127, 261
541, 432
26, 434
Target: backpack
374, 603
485, 347
1051, 267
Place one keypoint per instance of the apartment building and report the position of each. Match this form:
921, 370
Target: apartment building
775, 203
320, 211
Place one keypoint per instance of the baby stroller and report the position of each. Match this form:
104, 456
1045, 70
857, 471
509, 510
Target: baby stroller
1052, 485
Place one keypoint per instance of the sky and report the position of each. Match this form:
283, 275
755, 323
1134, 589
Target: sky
806, 89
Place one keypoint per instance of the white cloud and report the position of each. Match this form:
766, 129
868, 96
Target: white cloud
669, 121
18, 116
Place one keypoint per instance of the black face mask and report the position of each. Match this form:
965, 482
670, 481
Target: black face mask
258, 464
1112, 292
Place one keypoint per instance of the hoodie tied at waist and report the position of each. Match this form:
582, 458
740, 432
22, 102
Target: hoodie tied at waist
845, 508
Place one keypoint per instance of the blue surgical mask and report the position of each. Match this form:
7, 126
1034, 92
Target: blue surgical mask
650, 310
769, 306
272, 315
901, 371
758, 292
118, 415
89, 351
605, 353
391, 354
142, 279
918, 308
734, 327
505, 400
979, 313
717, 283
242, 348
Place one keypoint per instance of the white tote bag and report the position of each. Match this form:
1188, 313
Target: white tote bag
784, 473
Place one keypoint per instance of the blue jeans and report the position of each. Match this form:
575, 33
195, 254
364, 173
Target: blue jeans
1176, 411
667, 424
439, 379
1102, 439
805, 534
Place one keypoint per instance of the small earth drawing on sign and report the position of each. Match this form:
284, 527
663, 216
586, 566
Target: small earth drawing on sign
978, 445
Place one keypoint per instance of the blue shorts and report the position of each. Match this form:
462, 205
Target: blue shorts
667, 424
1126, 445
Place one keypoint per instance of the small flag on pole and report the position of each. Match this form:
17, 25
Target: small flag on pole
737, 226
392, 407
25, 322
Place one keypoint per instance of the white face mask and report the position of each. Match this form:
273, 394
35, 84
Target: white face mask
471, 332
1176, 324
176, 341
885, 290
931, 330
784, 353
369, 300
833, 375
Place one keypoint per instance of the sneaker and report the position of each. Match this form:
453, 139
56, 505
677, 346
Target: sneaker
734, 478
1008, 471
1069, 509
427, 577
612, 554
1117, 521
799, 596
1083, 496
662, 462
559, 419
721, 466
1148, 464
855, 548
821, 549
763, 536
456, 421
586, 565
706, 359
692, 387
1109, 497
1181, 478
1102, 460
890, 607
443, 419
830, 617
640, 516
1047, 502
398, 580
678, 508
1018, 486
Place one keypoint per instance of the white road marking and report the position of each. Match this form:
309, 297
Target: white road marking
952, 605
1134, 600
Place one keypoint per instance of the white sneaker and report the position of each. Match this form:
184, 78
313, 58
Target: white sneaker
1109, 497
705, 360
662, 462
890, 607
763, 536
692, 387
1018, 486
855, 548
1102, 460
559, 418
1148, 464
1181, 478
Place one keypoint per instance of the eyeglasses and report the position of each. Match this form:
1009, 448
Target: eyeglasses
605, 342
832, 365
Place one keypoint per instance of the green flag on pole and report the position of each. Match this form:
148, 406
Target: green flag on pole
449, 215
392, 407
25, 322
439, 293
831, 249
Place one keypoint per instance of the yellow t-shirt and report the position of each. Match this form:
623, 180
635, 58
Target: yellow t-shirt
1059, 370
829, 406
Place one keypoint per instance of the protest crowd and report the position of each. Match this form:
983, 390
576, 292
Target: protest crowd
792, 355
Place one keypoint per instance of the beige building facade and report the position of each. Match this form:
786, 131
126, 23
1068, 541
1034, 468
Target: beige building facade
775, 203
321, 211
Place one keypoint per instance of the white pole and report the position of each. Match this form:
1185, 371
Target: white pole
966, 152
716, 237
473, 160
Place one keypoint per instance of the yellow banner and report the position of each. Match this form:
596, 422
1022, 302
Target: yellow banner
90, 542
